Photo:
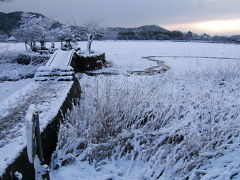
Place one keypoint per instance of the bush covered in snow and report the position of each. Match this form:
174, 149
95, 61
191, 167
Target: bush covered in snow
17, 65
14, 71
7, 55
32, 58
166, 125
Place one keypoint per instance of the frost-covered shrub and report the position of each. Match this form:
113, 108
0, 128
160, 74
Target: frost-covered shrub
167, 125
14, 71
7, 55
32, 58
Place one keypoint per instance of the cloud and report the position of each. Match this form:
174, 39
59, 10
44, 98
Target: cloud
5, 0
215, 27
129, 13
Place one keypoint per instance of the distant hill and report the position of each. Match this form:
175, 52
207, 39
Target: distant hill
152, 28
142, 32
9, 21
139, 29
148, 32
12, 21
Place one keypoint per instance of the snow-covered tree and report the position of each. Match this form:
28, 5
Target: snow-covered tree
33, 28
91, 29
62, 33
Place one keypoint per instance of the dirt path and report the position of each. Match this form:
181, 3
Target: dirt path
159, 62
160, 68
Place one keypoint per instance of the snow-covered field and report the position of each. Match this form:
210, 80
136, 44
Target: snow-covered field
127, 55
183, 124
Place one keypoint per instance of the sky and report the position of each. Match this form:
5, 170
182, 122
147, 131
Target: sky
220, 17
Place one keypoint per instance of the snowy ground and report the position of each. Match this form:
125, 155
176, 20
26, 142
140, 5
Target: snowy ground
127, 55
9, 87
187, 124
16, 94
15, 72
203, 79
13, 76
48, 98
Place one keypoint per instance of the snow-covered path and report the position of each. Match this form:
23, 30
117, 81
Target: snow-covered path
7, 88
48, 98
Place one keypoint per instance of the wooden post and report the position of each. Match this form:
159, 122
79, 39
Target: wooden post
39, 152
41, 170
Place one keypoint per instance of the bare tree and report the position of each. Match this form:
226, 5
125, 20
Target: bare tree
91, 28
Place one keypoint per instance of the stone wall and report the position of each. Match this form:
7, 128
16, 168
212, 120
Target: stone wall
83, 62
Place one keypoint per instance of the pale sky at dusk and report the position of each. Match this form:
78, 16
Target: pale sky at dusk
210, 16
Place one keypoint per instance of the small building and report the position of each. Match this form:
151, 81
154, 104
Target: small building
11, 39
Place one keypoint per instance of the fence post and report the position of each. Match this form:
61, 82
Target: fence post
34, 144
38, 137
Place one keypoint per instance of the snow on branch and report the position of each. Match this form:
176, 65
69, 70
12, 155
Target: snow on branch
33, 28
92, 28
